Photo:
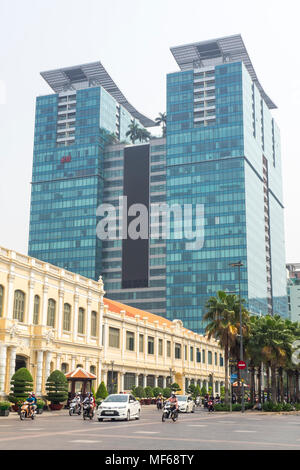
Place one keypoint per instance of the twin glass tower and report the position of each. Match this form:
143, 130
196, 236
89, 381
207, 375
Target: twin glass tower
221, 151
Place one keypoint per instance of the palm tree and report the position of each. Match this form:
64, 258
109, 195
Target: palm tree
143, 135
222, 325
133, 131
162, 119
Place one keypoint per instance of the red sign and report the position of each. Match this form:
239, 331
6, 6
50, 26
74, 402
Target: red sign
65, 159
241, 364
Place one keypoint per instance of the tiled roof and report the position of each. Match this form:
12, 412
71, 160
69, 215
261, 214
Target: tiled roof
80, 373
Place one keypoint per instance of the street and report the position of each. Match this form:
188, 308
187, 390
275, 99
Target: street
199, 431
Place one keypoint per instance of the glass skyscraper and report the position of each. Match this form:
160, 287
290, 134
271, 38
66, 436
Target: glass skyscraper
222, 151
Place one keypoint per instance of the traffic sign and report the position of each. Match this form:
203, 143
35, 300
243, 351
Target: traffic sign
241, 364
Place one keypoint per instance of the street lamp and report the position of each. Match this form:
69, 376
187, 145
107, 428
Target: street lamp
239, 264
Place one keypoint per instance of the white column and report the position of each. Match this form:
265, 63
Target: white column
87, 363
99, 372
10, 295
164, 382
75, 322
136, 380
144, 380
12, 361
105, 377
58, 360
88, 320
60, 312
122, 381
155, 380
45, 305
73, 358
3, 355
183, 384
30, 304
47, 365
39, 372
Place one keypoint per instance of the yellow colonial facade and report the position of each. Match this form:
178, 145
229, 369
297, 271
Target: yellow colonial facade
52, 319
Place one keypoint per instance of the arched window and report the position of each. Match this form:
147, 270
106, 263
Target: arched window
81, 321
36, 310
94, 324
51, 313
19, 305
93, 370
67, 317
1, 300
64, 367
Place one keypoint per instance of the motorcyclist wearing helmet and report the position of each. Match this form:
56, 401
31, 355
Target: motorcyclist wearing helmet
31, 401
174, 401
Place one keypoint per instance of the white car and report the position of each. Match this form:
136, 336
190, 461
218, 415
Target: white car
119, 406
186, 404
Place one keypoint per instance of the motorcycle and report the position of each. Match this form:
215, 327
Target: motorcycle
75, 408
26, 411
210, 406
88, 411
159, 404
168, 413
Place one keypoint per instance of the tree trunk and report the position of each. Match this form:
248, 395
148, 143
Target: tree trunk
281, 391
252, 383
226, 374
259, 383
290, 382
297, 386
268, 380
273, 383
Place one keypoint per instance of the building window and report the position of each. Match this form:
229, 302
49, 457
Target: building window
93, 370
81, 321
209, 357
36, 310
19, 305
67, 317
150, 345
185, 353
129, 341
94, 324
169, 348
216, 359
103, 335
221, 360
192, 354
203, 355
141, 343
129, 380
177, 351
51, 313
198, 355
1, 300
160, 347
64, 367
114, 337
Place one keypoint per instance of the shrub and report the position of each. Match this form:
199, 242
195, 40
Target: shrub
287, 407
297, 406
57, 387
271, 406
237, 407
4, 405
167, 392
21, 385
40, 404
221, 407
175, 387
204, 391
138, 392
102, 391
149, 392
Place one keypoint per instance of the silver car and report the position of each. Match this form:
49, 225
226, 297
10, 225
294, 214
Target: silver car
119, 406
186, 404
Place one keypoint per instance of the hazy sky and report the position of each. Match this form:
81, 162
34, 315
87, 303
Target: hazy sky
132, 39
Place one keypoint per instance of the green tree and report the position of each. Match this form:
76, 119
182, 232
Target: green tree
138, 392
162, 120
57, 387
133, 131
167, 392
203, 391
175, 387
21, 385
149, 392
157, 391
102, 391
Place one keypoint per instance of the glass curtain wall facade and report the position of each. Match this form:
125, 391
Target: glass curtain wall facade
72, 129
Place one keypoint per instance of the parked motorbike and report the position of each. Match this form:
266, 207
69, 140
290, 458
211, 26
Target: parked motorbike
88, 411
75, 408
168, 413
26, 411
210, 405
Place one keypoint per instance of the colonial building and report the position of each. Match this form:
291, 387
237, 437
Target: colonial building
52, 319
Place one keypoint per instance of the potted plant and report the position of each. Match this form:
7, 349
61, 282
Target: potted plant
21, 385
57, 389
4, 408
39, 406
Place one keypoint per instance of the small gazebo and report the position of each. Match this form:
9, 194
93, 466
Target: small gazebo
80, 381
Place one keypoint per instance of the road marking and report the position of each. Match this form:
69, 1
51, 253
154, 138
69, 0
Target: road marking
146, 432
33, 429
84, 441
243, 430
197, 425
